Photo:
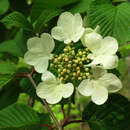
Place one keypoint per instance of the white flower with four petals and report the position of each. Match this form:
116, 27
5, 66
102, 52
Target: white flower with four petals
69, 28
52, 89
100, 85
39, 52
103, 49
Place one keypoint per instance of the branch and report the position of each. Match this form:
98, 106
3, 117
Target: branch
73, 121
45, 103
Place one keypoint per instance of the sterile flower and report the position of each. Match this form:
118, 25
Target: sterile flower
39, 52
100, 85
52, 89
103, 49
69, 28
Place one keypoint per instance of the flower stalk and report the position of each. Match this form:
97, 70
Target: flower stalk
45, 103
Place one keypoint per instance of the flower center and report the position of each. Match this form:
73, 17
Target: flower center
69, 65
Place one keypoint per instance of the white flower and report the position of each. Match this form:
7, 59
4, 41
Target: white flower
103, 50
69, 28
39, 52
52, 89
99, 87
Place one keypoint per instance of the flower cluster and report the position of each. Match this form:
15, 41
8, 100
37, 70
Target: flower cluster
84, 67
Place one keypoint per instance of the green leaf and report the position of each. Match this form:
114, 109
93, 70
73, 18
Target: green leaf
27, 86
4, 5
18, 115
113, 115
17, 46
125, 50
20, 6
7, 67
44, 119
40, 5
9, 94
81, 6
16, 19
45, 17
113, 20
4, 79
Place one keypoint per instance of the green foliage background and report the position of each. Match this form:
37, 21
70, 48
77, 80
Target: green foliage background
22, 19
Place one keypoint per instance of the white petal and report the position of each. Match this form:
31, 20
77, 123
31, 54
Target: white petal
49, 91
44, 44
109, 46
93, 41
44, 89
86, 87
99, 95
65, 19
34, 44
46, 76
38, 60
108, 62
111, 82
54, 99
67, 90
98, 71
48, 42
78, 30
41, 66
58, 33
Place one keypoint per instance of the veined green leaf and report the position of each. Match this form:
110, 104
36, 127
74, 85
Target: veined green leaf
45, 17
113, 20
18, 115
4, 5
16, 19
113, 115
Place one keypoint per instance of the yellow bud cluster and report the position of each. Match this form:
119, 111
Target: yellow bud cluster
70, 64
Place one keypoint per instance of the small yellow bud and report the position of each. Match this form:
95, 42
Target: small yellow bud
74, 74
79, 78
67, 76
76, 61
81, 74
70, 61
80, 62
74, 65
65, 50
55, 60
87, 74
84, 77
78, 68
68, 71
86, 49
73, 78
59, 70
73, 52
84, 52
64, 70
62, 73
80, 53
83, 56
83, 59
88, 61
66, 59
78, 72
63, 55
61, 79
69, 65
59, 58
86, 69
51, 65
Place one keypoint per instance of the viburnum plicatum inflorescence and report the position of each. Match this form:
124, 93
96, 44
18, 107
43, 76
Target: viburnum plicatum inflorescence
82, 63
